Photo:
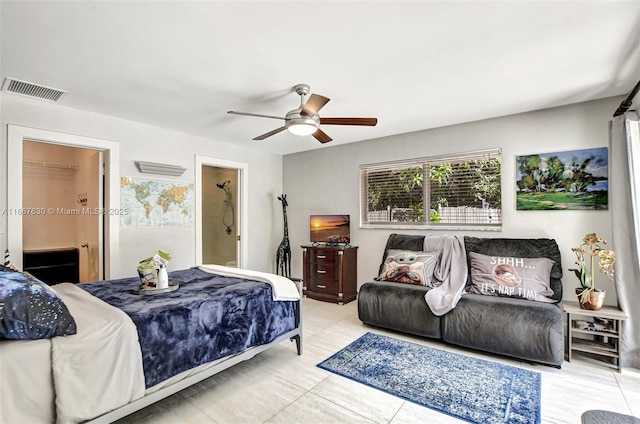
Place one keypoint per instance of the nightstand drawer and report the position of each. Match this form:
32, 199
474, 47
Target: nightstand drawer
323, 272
323, 286
323, 257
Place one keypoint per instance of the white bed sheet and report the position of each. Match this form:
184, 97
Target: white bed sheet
26, 382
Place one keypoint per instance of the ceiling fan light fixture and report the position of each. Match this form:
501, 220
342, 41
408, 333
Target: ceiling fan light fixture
301, 125
302, 129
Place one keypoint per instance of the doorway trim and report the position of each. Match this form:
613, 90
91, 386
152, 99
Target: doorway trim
16, 134
242, 251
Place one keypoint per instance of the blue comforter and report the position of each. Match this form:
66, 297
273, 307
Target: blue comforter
206, 318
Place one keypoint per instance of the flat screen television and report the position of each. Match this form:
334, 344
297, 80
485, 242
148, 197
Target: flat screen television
331, 229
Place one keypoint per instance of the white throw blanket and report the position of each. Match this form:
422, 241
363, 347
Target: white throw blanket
281, 287
451, 271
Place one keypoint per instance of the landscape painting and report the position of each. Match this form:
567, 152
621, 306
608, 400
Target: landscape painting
572, 180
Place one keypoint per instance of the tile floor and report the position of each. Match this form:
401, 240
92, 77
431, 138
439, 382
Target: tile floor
278, 386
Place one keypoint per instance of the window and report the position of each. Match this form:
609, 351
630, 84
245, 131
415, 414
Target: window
441, 192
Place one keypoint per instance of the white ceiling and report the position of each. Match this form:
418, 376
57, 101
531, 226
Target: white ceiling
414, 65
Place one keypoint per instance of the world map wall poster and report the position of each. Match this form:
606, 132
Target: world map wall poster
572, 180
156, 203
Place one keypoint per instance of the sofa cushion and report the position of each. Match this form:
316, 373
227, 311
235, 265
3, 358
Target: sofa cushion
527, 278
409, 266
532, 331
399, 307
521, 248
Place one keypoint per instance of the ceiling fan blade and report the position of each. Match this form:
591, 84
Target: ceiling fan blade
371, 122
314, 104
270, 133
255, 114
321, 136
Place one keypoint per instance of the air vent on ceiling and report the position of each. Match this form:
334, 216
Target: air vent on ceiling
32, 90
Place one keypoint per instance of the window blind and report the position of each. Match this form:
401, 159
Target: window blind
462, 189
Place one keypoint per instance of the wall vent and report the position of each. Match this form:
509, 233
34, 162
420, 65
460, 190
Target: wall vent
32, 90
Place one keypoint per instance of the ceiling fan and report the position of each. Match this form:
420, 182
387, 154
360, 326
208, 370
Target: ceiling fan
305, 119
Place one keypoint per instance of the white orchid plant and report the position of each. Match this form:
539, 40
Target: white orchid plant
586, 255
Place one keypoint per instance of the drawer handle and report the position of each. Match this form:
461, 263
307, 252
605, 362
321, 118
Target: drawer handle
320, 286
321, 256
322, 271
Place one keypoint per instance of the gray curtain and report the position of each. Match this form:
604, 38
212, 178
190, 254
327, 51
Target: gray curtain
624, 203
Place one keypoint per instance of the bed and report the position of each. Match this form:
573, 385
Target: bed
132, 350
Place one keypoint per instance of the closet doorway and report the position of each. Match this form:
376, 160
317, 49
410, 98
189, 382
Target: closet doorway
221, 218
63, 239
32, 161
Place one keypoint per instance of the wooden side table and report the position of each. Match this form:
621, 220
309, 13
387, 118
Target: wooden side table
330, 273
603, 328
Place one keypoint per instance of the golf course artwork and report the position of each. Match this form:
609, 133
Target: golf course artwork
571, 180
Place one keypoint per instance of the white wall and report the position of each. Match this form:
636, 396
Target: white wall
326, 181
49, 187
142, 142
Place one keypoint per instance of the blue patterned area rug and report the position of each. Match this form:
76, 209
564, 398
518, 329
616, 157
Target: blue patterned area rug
471, 389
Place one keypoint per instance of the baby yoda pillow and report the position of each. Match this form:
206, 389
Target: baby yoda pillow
408, 266
528, 278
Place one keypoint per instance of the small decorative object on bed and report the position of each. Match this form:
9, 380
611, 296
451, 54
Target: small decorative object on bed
588, 296
146, 290
149, 268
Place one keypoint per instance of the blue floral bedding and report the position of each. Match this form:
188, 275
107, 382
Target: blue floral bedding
206, 318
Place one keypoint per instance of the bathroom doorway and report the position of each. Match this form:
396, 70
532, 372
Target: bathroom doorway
221, 205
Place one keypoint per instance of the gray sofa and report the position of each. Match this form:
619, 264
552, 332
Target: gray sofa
524, 329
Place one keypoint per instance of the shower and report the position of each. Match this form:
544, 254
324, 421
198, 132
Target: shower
228, 206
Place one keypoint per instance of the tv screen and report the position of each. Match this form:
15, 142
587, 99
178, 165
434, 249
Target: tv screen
330, 229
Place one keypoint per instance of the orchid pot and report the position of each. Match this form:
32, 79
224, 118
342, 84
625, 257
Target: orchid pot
592, 300
591, 248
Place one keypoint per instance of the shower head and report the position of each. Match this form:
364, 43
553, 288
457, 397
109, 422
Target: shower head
223, 185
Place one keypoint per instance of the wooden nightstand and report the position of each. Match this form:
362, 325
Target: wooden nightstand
603, 328
330, 273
